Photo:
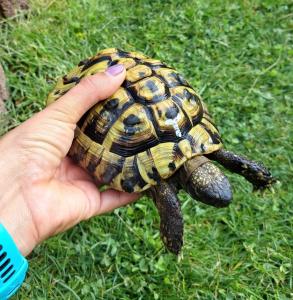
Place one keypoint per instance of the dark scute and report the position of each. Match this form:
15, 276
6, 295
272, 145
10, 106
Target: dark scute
127, 85
154, 175
140, 181
83, 62
150, 84
216, 138
155, 66
172, 166
187, 125
90, 131
112, 171
73, 79
112, 115
177, 152
191, 141
159, 113
158, 98
163, 135
113, 63
127, 150
190, 96
202, 147
150, 115
122, 53
182, 80
131, 120
177, 80
92, 62
177, 98
172, 112
78, 156
133, 93
93, 164
128, 184
196, 119
166, 136
111, 104
214, 135
56, 92
83, 119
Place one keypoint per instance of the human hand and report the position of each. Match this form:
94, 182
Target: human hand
42, 191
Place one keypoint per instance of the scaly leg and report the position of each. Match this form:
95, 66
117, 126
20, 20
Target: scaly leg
171, 227
254, 172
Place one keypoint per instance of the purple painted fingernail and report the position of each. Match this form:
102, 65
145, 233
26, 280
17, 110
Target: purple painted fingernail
115, 70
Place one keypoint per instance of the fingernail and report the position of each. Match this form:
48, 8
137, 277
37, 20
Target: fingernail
115, 70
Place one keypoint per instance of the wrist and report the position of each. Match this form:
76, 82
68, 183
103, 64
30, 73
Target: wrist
17, 220
14, 213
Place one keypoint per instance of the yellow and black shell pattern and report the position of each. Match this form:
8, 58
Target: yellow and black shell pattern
146, 130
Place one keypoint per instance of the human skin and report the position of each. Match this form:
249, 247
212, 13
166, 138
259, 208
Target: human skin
43, 192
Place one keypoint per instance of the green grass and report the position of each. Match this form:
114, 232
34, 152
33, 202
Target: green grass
237, 54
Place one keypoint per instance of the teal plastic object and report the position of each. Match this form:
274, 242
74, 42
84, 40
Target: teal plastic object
13, 266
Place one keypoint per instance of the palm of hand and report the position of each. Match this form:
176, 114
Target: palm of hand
51, 193
61, 194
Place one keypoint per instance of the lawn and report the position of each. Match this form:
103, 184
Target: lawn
237, 55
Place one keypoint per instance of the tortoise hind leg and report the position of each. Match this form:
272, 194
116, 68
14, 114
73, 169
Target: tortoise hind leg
171, 227
252, 171
205, 182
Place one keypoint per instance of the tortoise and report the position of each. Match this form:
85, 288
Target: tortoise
155, 135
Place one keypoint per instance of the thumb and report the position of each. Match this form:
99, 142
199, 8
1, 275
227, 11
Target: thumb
88, 92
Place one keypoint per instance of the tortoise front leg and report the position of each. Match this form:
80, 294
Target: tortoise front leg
253, 171
171, 227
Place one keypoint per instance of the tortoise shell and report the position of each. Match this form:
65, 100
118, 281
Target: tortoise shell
146, 130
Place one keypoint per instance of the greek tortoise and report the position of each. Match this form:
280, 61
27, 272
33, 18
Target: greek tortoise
154, 134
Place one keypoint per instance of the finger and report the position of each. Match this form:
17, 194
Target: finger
88, 92
111, 199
